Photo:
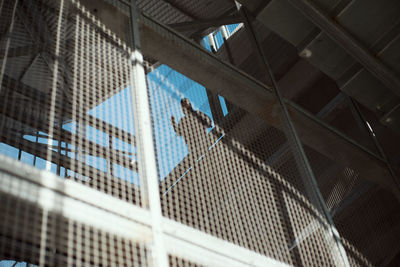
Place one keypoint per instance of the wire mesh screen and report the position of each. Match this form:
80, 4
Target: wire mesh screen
65, 96
34, 231
68, 243
227, 172
364, 212
235, 178
179, 262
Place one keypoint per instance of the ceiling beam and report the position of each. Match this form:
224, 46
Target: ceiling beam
198, 35
343, 38
240, 89
204, 24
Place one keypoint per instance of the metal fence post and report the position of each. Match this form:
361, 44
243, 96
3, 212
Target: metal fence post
145, 146
52, 111
368, 127
7, 37
308, 178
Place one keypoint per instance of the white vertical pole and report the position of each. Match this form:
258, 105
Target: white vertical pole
212, 42
224, 32
54, 89
10, 29
145, 147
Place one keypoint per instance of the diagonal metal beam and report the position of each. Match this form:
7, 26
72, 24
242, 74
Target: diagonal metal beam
204, 24
324, 112
198, 35
180, 9
343, 38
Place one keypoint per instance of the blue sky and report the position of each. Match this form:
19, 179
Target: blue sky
165, 102
7, 263
166, 88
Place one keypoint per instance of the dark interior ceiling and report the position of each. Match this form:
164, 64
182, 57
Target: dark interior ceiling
311, 69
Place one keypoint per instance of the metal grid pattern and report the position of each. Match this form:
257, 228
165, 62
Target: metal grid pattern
44, 195
32, 232
376, 242
224, 175
66, 99
67, 109
236, 178
178, 262
362, 211
67, 243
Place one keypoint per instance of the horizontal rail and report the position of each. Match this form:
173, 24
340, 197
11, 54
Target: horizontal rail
78, 202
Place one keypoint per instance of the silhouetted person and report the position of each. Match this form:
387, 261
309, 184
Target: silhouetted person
193, 128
